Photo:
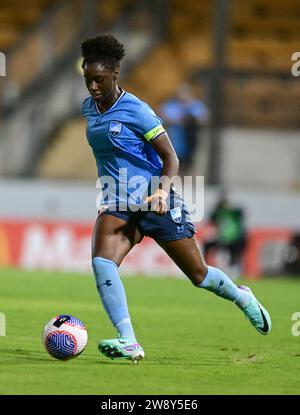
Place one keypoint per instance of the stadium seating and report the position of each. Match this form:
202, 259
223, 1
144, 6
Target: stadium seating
187, 47
15, 19
259, 91
70, 139
108, 11
263, 36
263, 102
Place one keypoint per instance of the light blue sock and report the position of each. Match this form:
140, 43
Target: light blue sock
219, 283
112, 294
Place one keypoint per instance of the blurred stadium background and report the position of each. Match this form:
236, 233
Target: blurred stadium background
238, 55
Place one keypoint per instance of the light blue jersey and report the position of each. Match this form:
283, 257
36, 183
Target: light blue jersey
120, 140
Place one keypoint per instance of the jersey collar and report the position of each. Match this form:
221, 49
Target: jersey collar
121, 96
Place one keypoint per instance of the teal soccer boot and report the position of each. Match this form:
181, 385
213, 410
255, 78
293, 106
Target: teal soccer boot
256, 313
121, 348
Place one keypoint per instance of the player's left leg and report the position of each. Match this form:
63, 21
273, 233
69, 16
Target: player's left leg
187, 255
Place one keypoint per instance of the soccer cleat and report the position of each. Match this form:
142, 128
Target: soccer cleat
121, 348
256, 313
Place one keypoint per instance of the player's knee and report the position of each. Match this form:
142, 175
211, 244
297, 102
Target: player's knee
198, 274
110, 251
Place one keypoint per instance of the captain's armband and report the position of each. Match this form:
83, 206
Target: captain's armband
150, 135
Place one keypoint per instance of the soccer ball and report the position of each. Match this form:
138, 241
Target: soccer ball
64, 337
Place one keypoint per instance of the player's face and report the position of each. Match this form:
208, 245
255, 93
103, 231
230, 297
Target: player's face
100, 80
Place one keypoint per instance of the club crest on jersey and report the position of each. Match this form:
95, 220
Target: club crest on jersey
176, 214
115, 128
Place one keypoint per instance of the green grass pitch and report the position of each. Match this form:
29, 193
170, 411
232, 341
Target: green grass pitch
194, 342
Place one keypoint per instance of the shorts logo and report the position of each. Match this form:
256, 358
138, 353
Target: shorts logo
179, 228
115, 127
176, 214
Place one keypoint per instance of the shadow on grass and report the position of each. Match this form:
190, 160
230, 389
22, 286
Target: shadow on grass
36, 356
25, 354
22, 355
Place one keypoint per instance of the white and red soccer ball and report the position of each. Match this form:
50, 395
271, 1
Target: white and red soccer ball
64, 337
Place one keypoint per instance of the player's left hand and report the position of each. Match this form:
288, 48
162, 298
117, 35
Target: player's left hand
158, 202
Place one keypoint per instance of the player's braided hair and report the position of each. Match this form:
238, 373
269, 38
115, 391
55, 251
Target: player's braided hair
103, 48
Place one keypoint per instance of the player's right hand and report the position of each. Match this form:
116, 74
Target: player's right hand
158, 202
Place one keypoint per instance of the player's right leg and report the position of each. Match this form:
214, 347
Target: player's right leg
113, 238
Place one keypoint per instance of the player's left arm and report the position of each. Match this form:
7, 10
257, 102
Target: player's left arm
164, 148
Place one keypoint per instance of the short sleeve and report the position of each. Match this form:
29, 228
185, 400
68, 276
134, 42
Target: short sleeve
149, 123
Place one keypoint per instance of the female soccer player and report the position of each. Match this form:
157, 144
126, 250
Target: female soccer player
131, 147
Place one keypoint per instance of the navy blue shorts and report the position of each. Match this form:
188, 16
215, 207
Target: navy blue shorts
174, 225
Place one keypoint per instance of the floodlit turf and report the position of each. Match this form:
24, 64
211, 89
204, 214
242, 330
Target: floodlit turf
195, 342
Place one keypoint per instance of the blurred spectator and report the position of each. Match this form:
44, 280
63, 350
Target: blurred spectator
230, 235
291, 256
183, 115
